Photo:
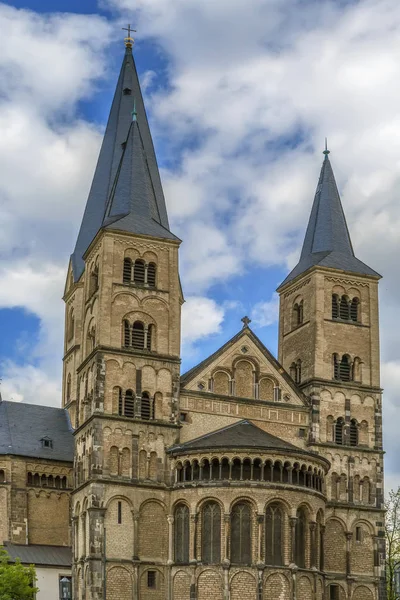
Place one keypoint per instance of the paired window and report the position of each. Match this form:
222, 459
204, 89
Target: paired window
295, 371
139, 272
126, 405
345, 309
298, 314
339, 434
138, 335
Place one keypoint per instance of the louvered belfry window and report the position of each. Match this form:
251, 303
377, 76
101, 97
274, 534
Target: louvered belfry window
129, 404
273, 535
139, 272
127, 334
127, 273
339, 431
181, 524
345, 369
354, 310
344, 309
138, 335
146, 407
335, 306
353, 433
151, 275
211, 534
241, 534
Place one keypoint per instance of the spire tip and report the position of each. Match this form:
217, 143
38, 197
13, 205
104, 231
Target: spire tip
326, 151
129, 40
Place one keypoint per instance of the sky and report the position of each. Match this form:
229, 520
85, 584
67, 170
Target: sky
241, 95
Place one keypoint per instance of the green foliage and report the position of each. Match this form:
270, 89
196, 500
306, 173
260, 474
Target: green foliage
392, 532
16, 581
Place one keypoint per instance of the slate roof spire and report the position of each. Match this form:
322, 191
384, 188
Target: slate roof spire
126, 192
327, 241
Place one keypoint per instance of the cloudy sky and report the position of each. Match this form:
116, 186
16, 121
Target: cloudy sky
240, 94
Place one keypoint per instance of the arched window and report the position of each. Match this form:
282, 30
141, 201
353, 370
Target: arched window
344, 308
94, 280
353, 433
293, 371
181, 524
3, 476
339, 431
273, 535
139, 272
211, 534
151, 275
146, 411
241, 534
30, 479
345, 368
127, 271
298, 371
335, 306
90, 339
36, 479
149, 337
127, 334
300, 538
354, 310
138, 335
68, 390
298, 314
71, 325
128, 409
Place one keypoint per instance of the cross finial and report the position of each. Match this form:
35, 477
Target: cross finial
129, 41
246, 321
326, 151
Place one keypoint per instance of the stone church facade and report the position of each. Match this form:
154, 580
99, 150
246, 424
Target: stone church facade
245, 478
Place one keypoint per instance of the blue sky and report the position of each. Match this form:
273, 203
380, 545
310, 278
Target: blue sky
240, 98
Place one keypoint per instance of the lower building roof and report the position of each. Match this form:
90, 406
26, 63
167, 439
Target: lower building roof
34, 554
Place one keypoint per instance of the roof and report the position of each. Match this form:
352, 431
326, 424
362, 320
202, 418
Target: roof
186, 377
50, 556
111, 172
327, 241
23, 426
243, 434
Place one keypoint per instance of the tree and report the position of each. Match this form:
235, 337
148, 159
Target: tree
392, 533
16, 581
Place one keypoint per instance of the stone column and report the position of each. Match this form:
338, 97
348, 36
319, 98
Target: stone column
349, 537
313, 544
322, 548
292, 523
225, 539
170, 520
260, 521
193, 538
135, 517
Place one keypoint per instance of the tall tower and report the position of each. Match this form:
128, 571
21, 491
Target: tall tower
122, 348
329, 343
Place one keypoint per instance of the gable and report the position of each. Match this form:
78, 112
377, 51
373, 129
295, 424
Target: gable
244, 368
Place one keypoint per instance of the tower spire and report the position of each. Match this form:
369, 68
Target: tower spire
110, 202
327, 241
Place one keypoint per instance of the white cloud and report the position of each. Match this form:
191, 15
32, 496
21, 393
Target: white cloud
201, 317
266, 313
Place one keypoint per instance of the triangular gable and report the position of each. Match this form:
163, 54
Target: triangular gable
245, 346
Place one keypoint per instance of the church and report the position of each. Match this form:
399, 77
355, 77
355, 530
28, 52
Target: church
246, 478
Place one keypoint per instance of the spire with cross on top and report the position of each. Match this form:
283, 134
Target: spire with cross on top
129, 40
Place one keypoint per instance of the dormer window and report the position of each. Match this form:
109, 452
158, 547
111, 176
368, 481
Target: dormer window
46, 442
127, 91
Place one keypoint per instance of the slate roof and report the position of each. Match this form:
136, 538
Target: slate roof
327, 242
189, 375
50, 556
243, 434
23, 426
117, 168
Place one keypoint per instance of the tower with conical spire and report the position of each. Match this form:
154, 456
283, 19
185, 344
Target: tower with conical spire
329, 343
122, 354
